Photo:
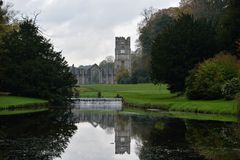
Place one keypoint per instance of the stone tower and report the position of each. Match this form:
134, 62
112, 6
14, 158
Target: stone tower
122, 54
122, 135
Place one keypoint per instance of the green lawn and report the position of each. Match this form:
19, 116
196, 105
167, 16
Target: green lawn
7, 101
21, 111
157, 96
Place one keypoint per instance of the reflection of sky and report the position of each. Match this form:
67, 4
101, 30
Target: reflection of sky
90, 143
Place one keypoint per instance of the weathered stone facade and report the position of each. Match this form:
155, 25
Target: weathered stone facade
93, 74
122, 54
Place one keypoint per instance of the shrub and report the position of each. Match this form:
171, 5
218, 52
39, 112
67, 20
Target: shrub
140, 76
207, 79
238, 104
231, 88
122, 76
99, 95
76, 92
124, 80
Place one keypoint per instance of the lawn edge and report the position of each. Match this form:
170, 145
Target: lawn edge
166, 107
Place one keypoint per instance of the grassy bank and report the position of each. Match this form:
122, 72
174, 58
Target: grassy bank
152, 96
22, 111
13, 101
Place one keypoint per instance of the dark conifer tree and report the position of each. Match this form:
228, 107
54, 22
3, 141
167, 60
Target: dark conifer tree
32, 67
179, 48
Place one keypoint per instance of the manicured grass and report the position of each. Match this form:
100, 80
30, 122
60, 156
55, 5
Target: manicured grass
9, 101
21, 111
157, 96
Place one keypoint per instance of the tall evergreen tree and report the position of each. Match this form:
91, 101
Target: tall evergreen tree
32, 67
5, 27
229, 25
179, 48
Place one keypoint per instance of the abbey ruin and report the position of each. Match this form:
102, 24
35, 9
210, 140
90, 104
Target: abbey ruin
94, 74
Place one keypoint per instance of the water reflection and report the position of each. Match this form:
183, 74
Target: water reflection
164, 139
117, 127
215, 141
39, 136
73, 135
122, 135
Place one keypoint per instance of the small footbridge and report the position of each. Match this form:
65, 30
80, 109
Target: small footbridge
97, 103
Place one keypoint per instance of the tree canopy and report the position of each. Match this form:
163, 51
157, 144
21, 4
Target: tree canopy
32, 68
176, 39
179, 47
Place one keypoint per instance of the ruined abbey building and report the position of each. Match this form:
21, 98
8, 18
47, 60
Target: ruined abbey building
122, 54
94, 74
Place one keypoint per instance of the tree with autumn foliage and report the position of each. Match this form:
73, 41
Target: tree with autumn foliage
122, 76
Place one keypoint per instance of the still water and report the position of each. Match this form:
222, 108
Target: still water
78, 135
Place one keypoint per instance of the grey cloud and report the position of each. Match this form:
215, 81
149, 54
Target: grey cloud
84, 29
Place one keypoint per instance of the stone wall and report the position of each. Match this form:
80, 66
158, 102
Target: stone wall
93, 74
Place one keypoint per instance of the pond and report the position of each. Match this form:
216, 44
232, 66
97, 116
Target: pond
99, 135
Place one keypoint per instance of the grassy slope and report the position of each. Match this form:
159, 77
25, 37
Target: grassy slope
159, 96
6, 101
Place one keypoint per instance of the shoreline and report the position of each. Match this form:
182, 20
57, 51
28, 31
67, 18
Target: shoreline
150, 96
24, 106
165, 107
11, 105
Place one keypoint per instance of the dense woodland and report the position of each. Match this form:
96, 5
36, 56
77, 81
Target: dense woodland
175, 45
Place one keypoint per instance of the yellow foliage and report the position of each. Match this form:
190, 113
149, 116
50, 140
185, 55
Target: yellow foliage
123, 72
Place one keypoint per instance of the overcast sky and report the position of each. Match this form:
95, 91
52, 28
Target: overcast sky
84, 30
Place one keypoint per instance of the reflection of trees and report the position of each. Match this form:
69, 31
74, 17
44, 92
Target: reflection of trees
176, 139
46, 135
163, 139
39, 136
215, 141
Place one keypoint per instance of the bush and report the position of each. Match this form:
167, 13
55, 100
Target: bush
207, 79
122, 76
231, 88
124, 80
140, 76
99, 95
238, 104
76, 92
